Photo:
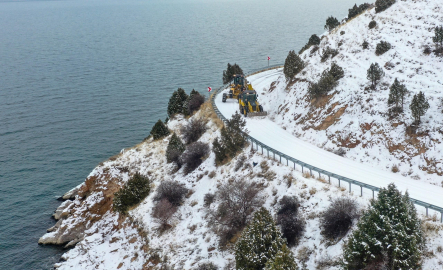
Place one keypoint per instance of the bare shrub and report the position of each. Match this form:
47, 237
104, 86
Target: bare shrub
238, 200
395, 169
193, 130
208, 199
270, 175
340, 152
193, 156
207, 266
172, 191
264, 166
195, 101
212, 174
292, 226
163, 211
312, 191
372, 24
338, 217
240, 161
427, 50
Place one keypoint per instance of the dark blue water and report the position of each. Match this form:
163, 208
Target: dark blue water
80, 80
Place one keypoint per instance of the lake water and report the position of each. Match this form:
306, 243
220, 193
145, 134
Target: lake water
80, 80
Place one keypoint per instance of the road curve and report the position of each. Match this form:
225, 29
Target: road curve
271, 134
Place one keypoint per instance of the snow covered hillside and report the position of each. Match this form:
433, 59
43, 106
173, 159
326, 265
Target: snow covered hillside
353, 116
110, 241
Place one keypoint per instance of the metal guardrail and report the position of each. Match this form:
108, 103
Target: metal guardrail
304, 165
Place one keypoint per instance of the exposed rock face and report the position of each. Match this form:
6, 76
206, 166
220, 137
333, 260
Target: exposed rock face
92, 200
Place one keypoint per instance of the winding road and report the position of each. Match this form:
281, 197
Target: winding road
268, 132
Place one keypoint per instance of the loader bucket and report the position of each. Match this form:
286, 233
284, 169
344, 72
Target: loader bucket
254, 114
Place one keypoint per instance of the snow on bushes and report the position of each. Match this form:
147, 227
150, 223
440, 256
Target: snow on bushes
388, 236
135, 190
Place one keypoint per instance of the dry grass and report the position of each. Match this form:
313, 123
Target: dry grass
212, 174
312, 191
307, 174
207, 110
395, 169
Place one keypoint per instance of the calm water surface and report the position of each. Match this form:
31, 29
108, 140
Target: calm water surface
80, 80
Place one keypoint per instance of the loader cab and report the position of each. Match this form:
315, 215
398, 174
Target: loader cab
239, 79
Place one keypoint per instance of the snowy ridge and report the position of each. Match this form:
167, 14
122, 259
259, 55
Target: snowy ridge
110, 241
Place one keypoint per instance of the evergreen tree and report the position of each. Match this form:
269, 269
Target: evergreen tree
382, 47
284, 260
356, 10
233, 137
259, 242
374, 74
175, 149
397, 93
438, 37
159, 130
336, 71
388, 236
419, 106
314, 40
293, 65
133, 192
331, 23
365, 45
381, 5
230, 71
177, 102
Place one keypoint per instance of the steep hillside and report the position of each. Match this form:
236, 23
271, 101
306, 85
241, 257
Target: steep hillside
355, 117
107, 240
352, 117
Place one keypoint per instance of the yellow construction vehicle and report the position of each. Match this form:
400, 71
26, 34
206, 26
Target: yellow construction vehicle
239, 85
248, 104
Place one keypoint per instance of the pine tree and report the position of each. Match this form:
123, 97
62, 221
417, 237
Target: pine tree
382, 47
233, 137
230, 71
374, 74
134, 191
293, 65
159, 130
419, 106
388, 236
284, 260
177, 102
259, 242
314, 40
331, 23
381, 5
175, 149
336, 71
397, 93
438, 37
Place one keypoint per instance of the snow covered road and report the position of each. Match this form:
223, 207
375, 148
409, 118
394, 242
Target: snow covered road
268, 132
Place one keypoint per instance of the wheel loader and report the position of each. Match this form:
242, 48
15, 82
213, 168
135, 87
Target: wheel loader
239, 85
248, 104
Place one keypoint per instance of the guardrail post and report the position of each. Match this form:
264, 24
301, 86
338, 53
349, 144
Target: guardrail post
287, 162
294, 165
426, 212
361, 189
268, 151
373, 195
349, 187
441, 217
310, 171
302, 169
329, 179
274, 155
280, 158
338, 182
262, 149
